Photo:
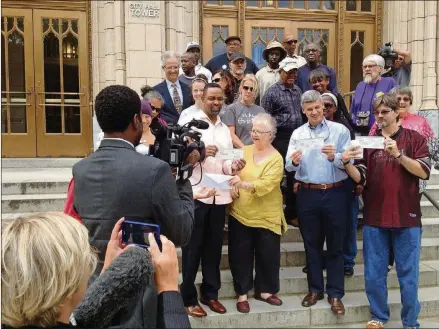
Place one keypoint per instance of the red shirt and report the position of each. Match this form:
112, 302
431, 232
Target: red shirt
391, 193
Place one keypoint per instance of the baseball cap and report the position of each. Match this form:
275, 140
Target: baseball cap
236, 56
193, 44
233, 37
288, 64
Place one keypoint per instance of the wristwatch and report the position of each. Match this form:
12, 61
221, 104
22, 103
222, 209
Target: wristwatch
346, 163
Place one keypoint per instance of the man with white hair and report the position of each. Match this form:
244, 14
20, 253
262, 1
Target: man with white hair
177, 96
321, 198
365, 93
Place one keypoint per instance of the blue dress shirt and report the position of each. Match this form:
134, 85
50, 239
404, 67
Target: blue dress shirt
314, 167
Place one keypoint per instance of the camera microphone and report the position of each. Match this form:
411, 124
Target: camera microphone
200, 124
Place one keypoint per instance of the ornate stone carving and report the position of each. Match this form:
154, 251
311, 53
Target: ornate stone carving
379, 22
241, 19
340, 25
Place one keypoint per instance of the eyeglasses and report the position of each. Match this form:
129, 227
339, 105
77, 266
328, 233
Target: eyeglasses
247, 88
329, 106
216, 80
291, 42
259, 133
371, 66
405, 99
383, 113
157, 109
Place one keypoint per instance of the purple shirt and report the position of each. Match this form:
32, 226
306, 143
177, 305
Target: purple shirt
303, 74
365, 93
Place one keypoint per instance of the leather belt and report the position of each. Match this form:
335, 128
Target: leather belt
321, 186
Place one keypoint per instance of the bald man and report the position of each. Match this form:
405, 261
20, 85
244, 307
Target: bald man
188, 63
290, 44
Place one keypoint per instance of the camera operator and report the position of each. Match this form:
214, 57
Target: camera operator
210, 210
116, 181
401, 68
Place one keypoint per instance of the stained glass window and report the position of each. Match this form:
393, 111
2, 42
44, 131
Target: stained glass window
318, 36
366, 5
357, 55
261, 36
219, 34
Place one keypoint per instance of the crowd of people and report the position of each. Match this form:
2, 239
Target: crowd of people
267, 113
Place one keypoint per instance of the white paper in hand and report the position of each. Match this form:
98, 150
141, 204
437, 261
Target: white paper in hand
371, 142
230, 154
309, 143
216, 181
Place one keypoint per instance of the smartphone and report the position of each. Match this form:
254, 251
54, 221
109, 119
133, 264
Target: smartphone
136, 233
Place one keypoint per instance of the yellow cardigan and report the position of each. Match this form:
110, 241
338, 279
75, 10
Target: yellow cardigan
264, 207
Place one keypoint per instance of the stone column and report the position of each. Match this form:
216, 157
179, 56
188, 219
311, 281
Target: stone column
119, 34
110, 55
429, 94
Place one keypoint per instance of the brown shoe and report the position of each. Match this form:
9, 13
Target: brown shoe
373, 324
294, 222
196, 311
312, 298
337, 306
272, 300
214, 305
243, 307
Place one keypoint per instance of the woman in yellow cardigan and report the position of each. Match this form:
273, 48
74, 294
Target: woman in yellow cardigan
256, 218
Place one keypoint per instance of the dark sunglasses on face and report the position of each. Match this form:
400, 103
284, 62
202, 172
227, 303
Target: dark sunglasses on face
328, 106
157, 109
247, 88
216, 80
291, 42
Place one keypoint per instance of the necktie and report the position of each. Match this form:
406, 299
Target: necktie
176, 98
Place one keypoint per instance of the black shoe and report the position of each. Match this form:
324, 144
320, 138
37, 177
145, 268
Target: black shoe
348, 271
305, 269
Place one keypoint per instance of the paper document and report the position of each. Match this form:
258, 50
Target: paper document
309, 143
371, 142
230, 154
216, 181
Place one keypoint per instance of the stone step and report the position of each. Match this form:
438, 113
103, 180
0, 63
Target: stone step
33, 203
35, 180
39, 162
293, 253
430, 322
433, 191
293, 280
293, 314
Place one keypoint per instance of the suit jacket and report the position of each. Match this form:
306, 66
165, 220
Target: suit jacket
169, 113
116, 181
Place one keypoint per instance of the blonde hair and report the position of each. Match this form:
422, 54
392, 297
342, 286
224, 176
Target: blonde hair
45, 258
252, 78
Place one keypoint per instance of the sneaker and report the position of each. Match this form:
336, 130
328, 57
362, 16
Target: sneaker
374, 324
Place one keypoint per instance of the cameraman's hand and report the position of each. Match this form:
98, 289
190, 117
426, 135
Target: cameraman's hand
238, 165
193, 157
211, 150
114, 246
207, 193
165, 264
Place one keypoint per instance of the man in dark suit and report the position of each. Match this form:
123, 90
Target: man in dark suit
177, 95
116, 181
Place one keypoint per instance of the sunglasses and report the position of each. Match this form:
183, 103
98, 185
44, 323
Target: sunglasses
157, 109
291, 42
328, 106
247, 88
216, 80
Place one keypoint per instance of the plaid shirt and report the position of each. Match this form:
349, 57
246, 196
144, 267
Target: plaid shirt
284, 105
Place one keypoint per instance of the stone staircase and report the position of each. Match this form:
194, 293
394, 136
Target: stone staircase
41, 184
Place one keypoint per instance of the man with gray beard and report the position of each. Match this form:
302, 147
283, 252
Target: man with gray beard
366, 91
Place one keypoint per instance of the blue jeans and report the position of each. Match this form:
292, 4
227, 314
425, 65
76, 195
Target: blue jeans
350, 240
407, 246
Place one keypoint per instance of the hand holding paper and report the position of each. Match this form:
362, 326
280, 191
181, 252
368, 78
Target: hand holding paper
371, 142
310, 143
230, 154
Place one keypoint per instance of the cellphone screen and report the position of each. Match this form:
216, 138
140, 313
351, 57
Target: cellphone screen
137, 233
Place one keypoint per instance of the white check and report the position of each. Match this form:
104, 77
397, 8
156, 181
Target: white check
217, 181
230, 154
309, 143
371, 142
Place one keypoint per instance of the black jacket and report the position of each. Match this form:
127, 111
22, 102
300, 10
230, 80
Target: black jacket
116, 181
169, 113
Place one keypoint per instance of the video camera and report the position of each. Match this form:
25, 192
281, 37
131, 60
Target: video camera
388, 54
176, 143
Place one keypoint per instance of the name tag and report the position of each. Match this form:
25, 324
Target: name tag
230, 154
371, 142
309, 143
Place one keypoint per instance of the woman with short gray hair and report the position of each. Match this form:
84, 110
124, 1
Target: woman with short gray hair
366, 91
256, 220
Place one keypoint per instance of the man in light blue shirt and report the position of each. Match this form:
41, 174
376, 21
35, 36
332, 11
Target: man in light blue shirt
321, 198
